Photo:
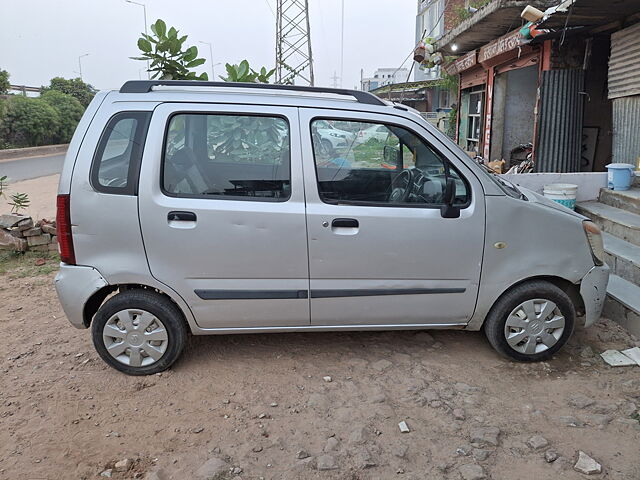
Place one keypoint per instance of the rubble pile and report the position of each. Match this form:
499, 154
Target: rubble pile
20, 233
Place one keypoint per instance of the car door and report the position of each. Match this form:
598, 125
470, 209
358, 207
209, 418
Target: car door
222, 213
376, 258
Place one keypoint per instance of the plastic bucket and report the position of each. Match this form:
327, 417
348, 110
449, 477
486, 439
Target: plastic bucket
562, 193
620, 176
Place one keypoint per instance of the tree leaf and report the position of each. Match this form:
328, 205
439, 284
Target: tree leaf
144, 45
161, 28
191, 53
195, 63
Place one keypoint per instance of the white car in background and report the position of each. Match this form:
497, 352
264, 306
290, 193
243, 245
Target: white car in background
379, 132
331, 137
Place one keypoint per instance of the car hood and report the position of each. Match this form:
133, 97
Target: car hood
545, 202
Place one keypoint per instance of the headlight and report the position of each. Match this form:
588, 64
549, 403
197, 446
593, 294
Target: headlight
594, 236
336, 135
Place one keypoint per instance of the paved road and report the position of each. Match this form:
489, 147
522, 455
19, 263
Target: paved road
34, 167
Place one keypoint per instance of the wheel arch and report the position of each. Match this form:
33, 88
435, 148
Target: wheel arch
571, 289
95, 301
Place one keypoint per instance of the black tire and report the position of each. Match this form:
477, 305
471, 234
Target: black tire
327, 146
494, 325
159, 306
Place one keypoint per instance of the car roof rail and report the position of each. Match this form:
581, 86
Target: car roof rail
146, 86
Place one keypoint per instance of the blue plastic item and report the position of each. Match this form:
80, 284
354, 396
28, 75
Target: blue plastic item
620, 176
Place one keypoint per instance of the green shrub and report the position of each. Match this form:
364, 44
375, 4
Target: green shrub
69, 112
5, 84
28, 122
83, 92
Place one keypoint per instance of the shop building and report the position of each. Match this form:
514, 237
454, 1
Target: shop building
572, 91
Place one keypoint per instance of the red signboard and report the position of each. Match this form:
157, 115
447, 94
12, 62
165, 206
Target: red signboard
463, 63
499, 46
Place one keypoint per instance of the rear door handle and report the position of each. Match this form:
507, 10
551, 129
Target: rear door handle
345, 223
181, 216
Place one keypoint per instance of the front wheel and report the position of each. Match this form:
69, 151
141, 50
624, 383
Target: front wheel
139, 332
530, 322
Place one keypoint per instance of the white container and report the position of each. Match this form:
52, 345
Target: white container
531, 14
562, 193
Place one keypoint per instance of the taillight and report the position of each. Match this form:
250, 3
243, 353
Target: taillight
63, 229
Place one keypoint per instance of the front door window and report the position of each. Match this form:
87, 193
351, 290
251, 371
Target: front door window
379, 164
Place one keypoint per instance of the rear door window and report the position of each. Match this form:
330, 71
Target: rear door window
241, 157
116, 163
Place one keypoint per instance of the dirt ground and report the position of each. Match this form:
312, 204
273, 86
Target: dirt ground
42, 195
256, 404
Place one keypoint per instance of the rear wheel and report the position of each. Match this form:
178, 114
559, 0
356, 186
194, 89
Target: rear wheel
531, 322
139, 332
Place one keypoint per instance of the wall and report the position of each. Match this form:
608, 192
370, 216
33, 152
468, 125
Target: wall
597, 107
589, 183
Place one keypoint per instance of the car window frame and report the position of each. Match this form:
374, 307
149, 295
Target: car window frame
222, 197
447, 164
143, 119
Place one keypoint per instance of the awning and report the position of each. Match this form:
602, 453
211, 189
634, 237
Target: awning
590, 13
493, 20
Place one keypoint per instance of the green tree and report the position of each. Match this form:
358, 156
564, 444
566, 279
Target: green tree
69, 111
244, 73
5, 85
75, 87
168, 58
28, 122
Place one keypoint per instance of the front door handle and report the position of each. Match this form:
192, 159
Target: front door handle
345, 223
181, 216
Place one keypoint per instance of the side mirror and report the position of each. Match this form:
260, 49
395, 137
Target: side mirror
448, 210
391, 154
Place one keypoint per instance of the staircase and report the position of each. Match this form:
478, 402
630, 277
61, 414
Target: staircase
618, 215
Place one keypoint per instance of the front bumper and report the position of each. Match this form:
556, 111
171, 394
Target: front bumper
75, 285
593, 289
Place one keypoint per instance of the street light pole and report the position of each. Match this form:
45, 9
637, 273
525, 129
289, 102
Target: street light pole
144, 10
213, 75
80, 64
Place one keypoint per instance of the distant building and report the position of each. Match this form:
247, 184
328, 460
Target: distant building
384, 76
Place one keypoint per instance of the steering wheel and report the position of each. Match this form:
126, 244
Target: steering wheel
401, 187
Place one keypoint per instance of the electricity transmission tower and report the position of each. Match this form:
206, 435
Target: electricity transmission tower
294, 61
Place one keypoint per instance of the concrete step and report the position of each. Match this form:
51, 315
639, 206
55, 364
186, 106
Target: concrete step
623, 304
623, 258
628, 200
618, 222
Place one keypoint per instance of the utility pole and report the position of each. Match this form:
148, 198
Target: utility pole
144, 11
80, 64
294, 60
210, 58
342, 44
335, 79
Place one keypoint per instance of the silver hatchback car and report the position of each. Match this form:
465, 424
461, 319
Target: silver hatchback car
213, 208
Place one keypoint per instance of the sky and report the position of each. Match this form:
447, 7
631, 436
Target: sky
43, 38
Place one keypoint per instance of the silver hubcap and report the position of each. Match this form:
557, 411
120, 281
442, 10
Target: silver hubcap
534, 326
135, 338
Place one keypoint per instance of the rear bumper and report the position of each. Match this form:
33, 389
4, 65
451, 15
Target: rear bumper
75, 285
593, 289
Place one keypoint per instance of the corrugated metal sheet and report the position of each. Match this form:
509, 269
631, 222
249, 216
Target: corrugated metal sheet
624, 64
560, 128
626, 129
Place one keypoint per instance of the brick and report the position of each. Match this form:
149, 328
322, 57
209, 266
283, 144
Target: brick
10, 220
43, 239
48, 228
9, 242
32, 232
